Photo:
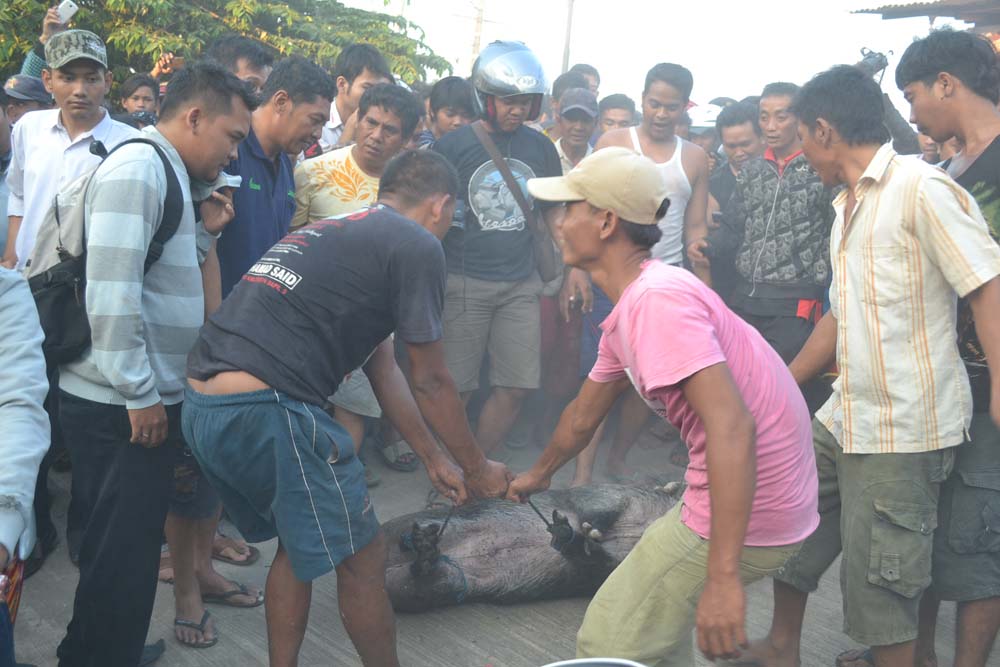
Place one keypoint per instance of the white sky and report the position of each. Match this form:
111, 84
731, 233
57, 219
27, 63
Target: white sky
733, 47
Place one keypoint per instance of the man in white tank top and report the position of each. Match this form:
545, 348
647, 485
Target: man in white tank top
684, 167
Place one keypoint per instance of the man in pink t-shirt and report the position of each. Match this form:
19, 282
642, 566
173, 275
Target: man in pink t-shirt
752, 483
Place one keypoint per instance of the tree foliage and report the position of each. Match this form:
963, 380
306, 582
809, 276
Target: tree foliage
138, 31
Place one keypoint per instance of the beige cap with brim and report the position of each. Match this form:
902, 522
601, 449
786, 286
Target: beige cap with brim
613, 178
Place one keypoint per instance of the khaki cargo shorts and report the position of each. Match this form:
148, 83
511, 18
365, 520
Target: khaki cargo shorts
880, 510
502, 319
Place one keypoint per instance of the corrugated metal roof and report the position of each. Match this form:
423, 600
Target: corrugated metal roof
984, 13
905, 5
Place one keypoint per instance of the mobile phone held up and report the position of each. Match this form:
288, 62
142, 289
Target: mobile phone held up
66, 9
177, 63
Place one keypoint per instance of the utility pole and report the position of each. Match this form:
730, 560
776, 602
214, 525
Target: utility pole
478, 32
569, 34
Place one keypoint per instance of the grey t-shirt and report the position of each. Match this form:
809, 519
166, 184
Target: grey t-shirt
319, 302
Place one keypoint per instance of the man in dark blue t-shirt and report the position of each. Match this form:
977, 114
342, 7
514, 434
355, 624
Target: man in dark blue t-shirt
297, 95
318, 305
492, 299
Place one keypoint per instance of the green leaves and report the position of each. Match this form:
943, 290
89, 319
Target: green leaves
138, 31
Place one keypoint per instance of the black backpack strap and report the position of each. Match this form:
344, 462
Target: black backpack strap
173, 211
173, 204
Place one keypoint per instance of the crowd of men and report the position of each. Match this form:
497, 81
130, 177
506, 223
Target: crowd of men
342, 260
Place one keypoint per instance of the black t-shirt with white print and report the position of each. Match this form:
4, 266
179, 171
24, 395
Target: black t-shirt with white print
495, 243
319, 302
982, 180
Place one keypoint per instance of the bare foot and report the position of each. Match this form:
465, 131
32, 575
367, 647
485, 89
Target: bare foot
763, 653
579, 481
166, 574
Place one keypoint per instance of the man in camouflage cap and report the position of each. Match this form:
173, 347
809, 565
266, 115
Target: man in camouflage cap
65, 47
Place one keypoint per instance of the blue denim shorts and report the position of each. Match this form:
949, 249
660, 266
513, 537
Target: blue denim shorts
285, 469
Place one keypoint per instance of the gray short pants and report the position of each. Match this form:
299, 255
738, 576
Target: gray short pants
880, 510
355, 394
502, 319
967, 540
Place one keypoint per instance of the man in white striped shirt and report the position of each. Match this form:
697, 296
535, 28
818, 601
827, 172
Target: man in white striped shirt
907, 242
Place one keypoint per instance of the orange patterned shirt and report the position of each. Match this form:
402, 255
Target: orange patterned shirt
330, 185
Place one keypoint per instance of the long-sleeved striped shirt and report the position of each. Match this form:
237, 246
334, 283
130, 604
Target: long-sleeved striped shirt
915, 242
142, 326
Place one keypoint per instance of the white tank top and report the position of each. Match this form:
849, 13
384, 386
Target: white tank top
670, 249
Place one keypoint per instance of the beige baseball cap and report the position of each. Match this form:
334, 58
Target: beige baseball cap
613, 178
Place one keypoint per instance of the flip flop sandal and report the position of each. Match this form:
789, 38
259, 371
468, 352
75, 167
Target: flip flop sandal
152, 652
397, 455
856, 657
226, 598
252, 556
200, 627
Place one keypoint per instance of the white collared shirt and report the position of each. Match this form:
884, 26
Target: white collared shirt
45, 160
333, 130
915, 242
567, 164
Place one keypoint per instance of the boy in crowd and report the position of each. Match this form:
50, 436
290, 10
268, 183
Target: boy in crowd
120, 402
334, 291
751, 494
52, 148
591, 74
140, 92
908, 242
449, 106
617, 111
359, 67
244, 57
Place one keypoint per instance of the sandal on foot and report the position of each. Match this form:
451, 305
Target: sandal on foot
397, 455
200, 627
856, 657
229, 544
152, 652
226, 598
